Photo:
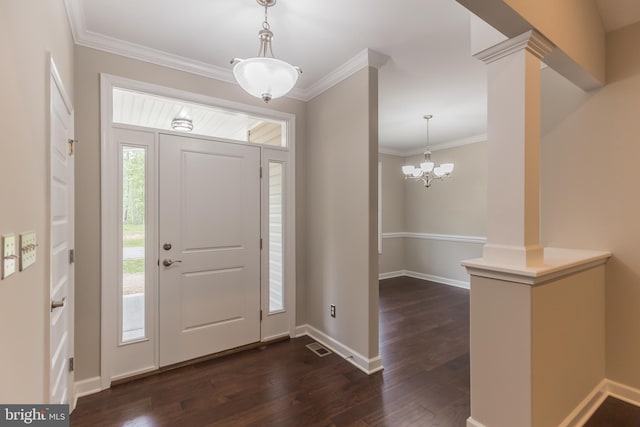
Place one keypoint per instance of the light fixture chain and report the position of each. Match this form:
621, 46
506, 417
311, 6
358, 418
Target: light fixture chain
265, 24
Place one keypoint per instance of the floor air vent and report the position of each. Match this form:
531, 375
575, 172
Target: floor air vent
318, 349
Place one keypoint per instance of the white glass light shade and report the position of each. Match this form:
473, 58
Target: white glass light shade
438, 171
447, 167
427, 166
407, 169
265, 77
417, 172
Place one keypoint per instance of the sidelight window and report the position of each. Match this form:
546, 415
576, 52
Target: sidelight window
133, 194
276, 203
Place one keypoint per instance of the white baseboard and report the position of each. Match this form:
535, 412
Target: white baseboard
581, 414
623, 392
86, 387
368, 366
424, 276
301, 330
587, 407
391, 274
473, 423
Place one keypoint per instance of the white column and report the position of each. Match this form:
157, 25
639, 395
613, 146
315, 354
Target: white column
535, 314
513, 229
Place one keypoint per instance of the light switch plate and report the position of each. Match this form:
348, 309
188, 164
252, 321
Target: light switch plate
9, 257
28, 247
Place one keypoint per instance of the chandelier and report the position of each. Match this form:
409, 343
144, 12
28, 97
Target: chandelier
427, 171
265, 76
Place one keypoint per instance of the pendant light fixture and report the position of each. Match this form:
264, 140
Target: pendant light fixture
265, 76
427, 171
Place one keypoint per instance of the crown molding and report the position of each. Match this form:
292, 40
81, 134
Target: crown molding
75, 14
459, 142
366, 58
391, 151
83, 37
435, 147
532, 41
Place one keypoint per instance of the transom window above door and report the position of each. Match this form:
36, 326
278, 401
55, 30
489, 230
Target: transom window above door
153, 111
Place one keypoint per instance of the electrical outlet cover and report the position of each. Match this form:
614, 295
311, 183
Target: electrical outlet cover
8, 255
28, 247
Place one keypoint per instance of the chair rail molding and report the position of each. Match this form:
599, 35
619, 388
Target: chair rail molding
431, 236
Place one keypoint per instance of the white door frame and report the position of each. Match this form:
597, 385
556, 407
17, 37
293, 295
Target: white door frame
110, 217
55, 83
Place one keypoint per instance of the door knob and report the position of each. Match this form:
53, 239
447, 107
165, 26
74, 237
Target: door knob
57, 304
169, 262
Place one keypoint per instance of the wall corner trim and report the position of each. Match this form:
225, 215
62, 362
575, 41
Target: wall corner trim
368, 366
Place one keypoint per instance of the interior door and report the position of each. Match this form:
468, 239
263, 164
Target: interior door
62, 236
209, 247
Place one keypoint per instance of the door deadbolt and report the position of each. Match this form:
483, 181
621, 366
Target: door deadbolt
166, 246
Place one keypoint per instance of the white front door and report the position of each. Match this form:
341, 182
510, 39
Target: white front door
209, 238
62, 236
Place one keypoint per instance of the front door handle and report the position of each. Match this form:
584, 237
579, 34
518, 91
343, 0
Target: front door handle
169, 262
57, 304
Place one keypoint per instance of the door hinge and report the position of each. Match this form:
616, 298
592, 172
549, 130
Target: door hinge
72, 256
70, 143
260, 172
261, 315
71, 364
261, 243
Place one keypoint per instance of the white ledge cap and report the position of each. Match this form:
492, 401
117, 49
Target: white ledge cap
557, 263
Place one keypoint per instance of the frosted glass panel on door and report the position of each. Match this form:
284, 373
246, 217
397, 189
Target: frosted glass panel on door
133, 243
276, 203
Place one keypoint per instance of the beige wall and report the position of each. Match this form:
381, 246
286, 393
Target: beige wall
89, 64
341, 198
537, 351
440, 258
393, 187
572, 25
568, 336
393, 205
29, 30
500, 322
455, 205
589, 194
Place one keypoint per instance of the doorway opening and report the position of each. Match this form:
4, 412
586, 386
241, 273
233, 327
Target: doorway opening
198, 243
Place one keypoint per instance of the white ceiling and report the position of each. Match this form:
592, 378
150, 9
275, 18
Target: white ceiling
429, 70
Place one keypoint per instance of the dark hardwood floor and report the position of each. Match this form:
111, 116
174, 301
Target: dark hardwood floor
615, 413
424, 342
